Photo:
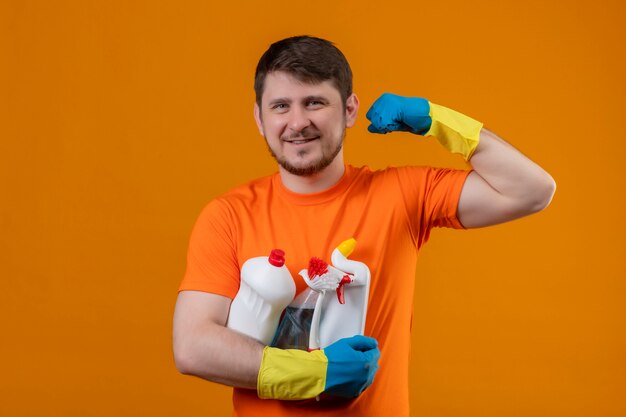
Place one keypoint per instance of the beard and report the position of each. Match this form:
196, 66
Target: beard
312, 168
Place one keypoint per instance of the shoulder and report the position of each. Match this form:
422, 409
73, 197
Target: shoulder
395, 174
411, 182
249, 189
246, 193
242, 197
423, 174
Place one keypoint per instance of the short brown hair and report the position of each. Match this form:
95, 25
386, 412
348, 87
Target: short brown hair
307, 58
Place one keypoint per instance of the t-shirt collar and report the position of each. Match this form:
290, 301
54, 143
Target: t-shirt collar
320, 197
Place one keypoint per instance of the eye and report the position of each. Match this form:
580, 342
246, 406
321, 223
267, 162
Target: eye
279, 106
314, 103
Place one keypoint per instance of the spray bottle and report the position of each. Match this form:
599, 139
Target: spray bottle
343, 315
266, 289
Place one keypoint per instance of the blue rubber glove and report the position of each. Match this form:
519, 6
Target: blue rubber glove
391, 112
352, 364
344, 369
457, 132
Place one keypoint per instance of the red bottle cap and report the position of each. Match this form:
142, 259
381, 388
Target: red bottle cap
277, 257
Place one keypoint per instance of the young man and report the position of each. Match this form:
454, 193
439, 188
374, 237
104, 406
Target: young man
315, 201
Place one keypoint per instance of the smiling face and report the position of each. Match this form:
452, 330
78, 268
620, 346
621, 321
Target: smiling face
304, 124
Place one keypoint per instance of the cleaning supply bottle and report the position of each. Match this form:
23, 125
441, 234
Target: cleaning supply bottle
321, 277
266, 289
344, 315
333, 307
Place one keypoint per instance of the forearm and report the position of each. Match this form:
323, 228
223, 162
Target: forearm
204, 347
221, 355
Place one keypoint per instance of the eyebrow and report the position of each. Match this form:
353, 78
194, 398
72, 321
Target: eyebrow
288, 100
317, 98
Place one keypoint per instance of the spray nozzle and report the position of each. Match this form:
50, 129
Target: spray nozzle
340, 294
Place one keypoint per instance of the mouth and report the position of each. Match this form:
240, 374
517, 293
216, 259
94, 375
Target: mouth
302, 141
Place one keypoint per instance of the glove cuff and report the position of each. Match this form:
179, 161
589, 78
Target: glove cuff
291, 374
455, 131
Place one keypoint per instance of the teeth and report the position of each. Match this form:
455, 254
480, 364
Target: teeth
300, 142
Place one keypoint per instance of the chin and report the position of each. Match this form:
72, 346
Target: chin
306, 171
312, 166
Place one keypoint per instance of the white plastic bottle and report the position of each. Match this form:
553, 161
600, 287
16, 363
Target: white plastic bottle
348, 319
266, 289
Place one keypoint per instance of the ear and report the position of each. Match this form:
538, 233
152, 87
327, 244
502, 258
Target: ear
258, 119
352, 109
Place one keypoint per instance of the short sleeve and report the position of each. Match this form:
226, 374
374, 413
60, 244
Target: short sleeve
431, 196
211, 258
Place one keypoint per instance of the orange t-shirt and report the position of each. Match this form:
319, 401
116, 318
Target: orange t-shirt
390, 214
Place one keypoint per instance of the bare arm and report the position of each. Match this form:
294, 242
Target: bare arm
204, 347
504, 185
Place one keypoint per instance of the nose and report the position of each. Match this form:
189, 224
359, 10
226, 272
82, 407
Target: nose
298, 119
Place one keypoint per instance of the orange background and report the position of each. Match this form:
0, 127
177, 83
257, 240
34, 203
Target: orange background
119, 120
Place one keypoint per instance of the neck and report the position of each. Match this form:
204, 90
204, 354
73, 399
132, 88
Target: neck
317, 182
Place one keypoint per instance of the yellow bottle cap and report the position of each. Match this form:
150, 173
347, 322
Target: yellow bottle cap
347, 247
